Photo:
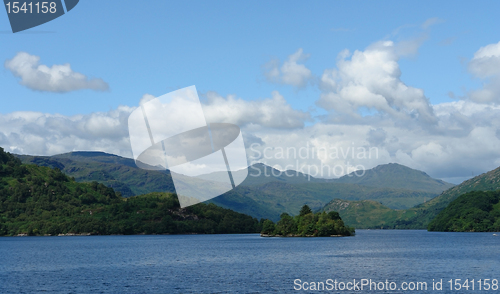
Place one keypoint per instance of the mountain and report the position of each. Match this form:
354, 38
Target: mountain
265, 193
376, 215
397, 176
285, 197
281, 192
477, 211
37, 200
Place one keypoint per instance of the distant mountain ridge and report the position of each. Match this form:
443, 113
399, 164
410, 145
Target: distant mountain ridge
111, 170
418, 217
265, 193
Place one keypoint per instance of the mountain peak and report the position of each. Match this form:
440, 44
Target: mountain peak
395, 175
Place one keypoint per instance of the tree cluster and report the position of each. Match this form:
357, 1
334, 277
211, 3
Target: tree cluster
308, 224
477, 211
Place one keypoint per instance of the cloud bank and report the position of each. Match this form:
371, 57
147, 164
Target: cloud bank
368, 105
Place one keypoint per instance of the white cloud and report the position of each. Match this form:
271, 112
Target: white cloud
464, 141
370, 82
291, 72
145, 98
486, 61
38, 133
486, 65
58, 78
270, 113
371, 107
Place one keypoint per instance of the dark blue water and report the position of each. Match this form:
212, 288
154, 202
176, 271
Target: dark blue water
242, 263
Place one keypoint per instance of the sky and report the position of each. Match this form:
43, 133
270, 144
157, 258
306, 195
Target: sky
414, 82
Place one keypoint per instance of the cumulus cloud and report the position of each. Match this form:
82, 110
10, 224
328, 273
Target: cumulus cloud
38, 133
369, 82
486, 65
272, 113
376, 137
371, 107
486, 61
465, 140
145, 98
291, 71
58, 78
465, 143
48, 134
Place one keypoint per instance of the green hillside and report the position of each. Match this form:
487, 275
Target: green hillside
271, 199
472, 212
373, 214
38, 200
111, 170
426, 212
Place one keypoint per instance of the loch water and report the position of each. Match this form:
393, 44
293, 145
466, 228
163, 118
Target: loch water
249, 263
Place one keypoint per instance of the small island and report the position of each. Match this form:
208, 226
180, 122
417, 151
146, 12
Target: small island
307, 224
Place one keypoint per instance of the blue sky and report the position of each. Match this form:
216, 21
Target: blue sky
221, 46
154, 47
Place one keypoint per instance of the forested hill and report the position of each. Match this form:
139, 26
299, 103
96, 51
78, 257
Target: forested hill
477, 211
424, 213
37, 200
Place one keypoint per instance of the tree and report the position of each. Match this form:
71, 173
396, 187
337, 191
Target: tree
333, 215
268, 227
305, 210
286, 225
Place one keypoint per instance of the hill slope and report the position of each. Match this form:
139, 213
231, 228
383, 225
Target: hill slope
365, 214
37, 200
426, 212
472, 212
